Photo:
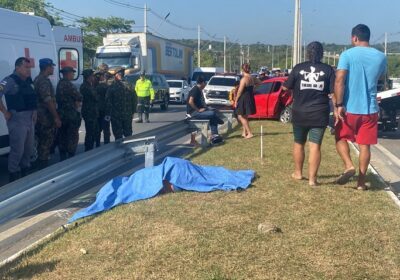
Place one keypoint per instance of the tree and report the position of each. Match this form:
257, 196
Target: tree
38, 7
94, 28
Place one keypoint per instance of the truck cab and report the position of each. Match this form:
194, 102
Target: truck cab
119, 56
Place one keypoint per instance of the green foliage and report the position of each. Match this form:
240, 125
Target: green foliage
275, 56
36, 6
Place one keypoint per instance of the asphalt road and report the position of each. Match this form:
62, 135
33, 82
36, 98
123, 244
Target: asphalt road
158, 118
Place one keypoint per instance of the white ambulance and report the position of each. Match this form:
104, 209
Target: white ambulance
34, 38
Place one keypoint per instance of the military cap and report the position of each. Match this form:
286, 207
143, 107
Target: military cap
103, 67
87, 72
99, 72
67, 69
119, 70
45, 62
143, 73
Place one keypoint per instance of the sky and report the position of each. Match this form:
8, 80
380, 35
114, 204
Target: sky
250, 21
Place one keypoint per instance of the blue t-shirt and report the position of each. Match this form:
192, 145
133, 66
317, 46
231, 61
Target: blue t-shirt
364, 66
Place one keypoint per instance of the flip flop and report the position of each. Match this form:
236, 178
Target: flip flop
345, 177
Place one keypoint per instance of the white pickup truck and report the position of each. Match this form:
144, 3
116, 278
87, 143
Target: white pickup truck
389, 108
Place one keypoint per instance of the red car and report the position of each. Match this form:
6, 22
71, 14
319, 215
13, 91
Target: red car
272, 102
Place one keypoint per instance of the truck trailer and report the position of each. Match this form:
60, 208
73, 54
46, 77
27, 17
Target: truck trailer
144, 51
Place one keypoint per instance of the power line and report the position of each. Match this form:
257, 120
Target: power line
125, 5
170, 22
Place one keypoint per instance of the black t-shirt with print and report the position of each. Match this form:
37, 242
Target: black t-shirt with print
198, 99
311, 84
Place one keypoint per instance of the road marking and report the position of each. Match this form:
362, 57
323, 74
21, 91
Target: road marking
28, 223
392, 157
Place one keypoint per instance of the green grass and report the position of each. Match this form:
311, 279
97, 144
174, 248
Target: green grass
328, 232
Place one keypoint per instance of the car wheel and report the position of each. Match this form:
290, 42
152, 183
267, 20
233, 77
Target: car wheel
286, 115
164, 106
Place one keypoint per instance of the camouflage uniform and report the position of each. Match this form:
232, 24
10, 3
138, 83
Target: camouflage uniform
90, 114
101, 90
120, 104
45, 125
68, 135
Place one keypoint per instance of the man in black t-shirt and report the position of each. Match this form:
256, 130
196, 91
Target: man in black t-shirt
312, 82
196, 108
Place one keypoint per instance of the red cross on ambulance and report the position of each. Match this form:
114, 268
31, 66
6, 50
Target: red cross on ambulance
68, 59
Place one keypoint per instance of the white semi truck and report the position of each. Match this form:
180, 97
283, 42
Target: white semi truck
145, 51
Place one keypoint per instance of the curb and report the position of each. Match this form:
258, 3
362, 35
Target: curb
387, 188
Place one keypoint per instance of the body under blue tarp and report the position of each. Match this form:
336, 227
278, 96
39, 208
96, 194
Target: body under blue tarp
148, 182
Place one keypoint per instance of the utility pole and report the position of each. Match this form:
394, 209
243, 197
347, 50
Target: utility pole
145, 18
272, 57
386, 43
224, 53
198, 46
286, 60
241, 56
334, 59
248, 53
296, 39
304, 51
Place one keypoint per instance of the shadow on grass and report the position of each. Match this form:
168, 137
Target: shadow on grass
29, 271
258, 134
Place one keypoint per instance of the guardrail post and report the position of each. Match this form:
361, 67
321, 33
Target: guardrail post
149, 155
204, 134
228, 116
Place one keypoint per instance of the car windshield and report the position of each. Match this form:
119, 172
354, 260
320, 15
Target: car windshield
216, 81
206, 75
132, 78
175, 84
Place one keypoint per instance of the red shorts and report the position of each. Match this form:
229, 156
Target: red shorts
362, 129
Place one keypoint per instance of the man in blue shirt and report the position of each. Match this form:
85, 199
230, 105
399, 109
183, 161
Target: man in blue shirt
356, 107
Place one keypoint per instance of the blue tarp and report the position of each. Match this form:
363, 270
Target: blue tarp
148, 182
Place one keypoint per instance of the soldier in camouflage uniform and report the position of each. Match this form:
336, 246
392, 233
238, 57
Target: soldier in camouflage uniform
90, 108
48, 119
69, 102
120, 104
101, 90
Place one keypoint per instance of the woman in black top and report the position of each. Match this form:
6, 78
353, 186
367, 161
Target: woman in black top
244, 102
312, 82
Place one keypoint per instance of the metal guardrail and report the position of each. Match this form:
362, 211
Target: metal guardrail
201, 126
39, 188
28, 193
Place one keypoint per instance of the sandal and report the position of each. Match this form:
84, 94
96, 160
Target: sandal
345, 177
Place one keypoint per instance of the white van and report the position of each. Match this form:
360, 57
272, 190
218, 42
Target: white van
33, 37
206, 73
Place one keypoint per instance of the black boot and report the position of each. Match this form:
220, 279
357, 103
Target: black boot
42, 164
140, 120
13, 176
24, 171
63, 156
146, 117
70, 155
